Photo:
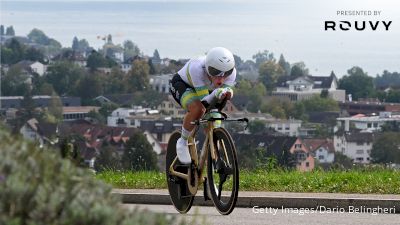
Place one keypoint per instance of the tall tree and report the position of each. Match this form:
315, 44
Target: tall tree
138, 77
56, 107
269, 72
139, 154
10, 31
130, 49
357, 83
75, 44
156, 55
284, 65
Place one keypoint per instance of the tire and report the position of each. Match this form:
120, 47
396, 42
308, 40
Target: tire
177, 187
226, 202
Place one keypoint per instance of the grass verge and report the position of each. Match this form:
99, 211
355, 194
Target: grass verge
370, 181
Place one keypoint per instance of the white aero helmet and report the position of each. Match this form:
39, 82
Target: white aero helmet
219, 62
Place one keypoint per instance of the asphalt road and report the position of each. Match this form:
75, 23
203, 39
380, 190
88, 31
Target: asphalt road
248, 216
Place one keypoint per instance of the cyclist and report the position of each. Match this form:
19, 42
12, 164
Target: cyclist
196, 85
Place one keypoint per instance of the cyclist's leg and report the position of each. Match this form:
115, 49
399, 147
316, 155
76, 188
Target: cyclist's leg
195, 111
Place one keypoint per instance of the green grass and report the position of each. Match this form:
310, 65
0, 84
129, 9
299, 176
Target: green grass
366, 181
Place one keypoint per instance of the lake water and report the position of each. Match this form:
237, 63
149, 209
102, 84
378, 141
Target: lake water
182, 29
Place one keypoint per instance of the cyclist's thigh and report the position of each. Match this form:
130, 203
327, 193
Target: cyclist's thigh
181, 91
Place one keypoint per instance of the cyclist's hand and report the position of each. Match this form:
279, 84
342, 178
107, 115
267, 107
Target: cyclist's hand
228, 93
222, 93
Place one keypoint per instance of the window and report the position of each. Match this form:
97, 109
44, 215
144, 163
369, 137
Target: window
321, 157
307, 164
359, 159
359, 143
375, 125
360, 151
297, 146
369, 125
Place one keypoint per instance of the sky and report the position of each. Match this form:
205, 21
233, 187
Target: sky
179, 29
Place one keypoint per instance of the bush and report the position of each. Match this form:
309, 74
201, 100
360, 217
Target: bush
38, 187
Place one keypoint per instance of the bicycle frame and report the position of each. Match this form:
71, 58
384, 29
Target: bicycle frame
200, 162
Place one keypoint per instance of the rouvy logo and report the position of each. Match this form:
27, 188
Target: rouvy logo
357, 25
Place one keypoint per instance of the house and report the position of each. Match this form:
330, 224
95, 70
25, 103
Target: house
8, 102
161, 130
77, 112
131, 117
368, 107
303, 156
322, 149
171, 108
305, 87
161, 83
32, 67
355, 145
41, 133
366, 123
288, 127
118, 99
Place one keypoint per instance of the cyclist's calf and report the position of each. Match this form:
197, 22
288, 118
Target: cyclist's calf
195, 111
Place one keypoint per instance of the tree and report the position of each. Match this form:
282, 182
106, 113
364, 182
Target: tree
269, 72
14, 82
56, 107
341, 161
39, 37
262, 57
298, 70
357, 83
256, 126
387, 79
130, 49
34, 54
63, 76
393, 96
156, 55
318, 104
12, 52
114, 82
324, 93
96, 60
138, 77
386, 148
139, 154
75, 44
89, 86
108, 159
284, 65
10, 31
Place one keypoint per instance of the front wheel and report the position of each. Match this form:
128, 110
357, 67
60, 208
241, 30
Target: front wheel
223, 173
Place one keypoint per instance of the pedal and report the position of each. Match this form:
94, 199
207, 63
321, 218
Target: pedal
205, 192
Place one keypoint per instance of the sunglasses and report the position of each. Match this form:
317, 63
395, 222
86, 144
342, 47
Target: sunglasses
218, 73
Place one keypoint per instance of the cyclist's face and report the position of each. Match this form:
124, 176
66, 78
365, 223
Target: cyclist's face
217, 81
